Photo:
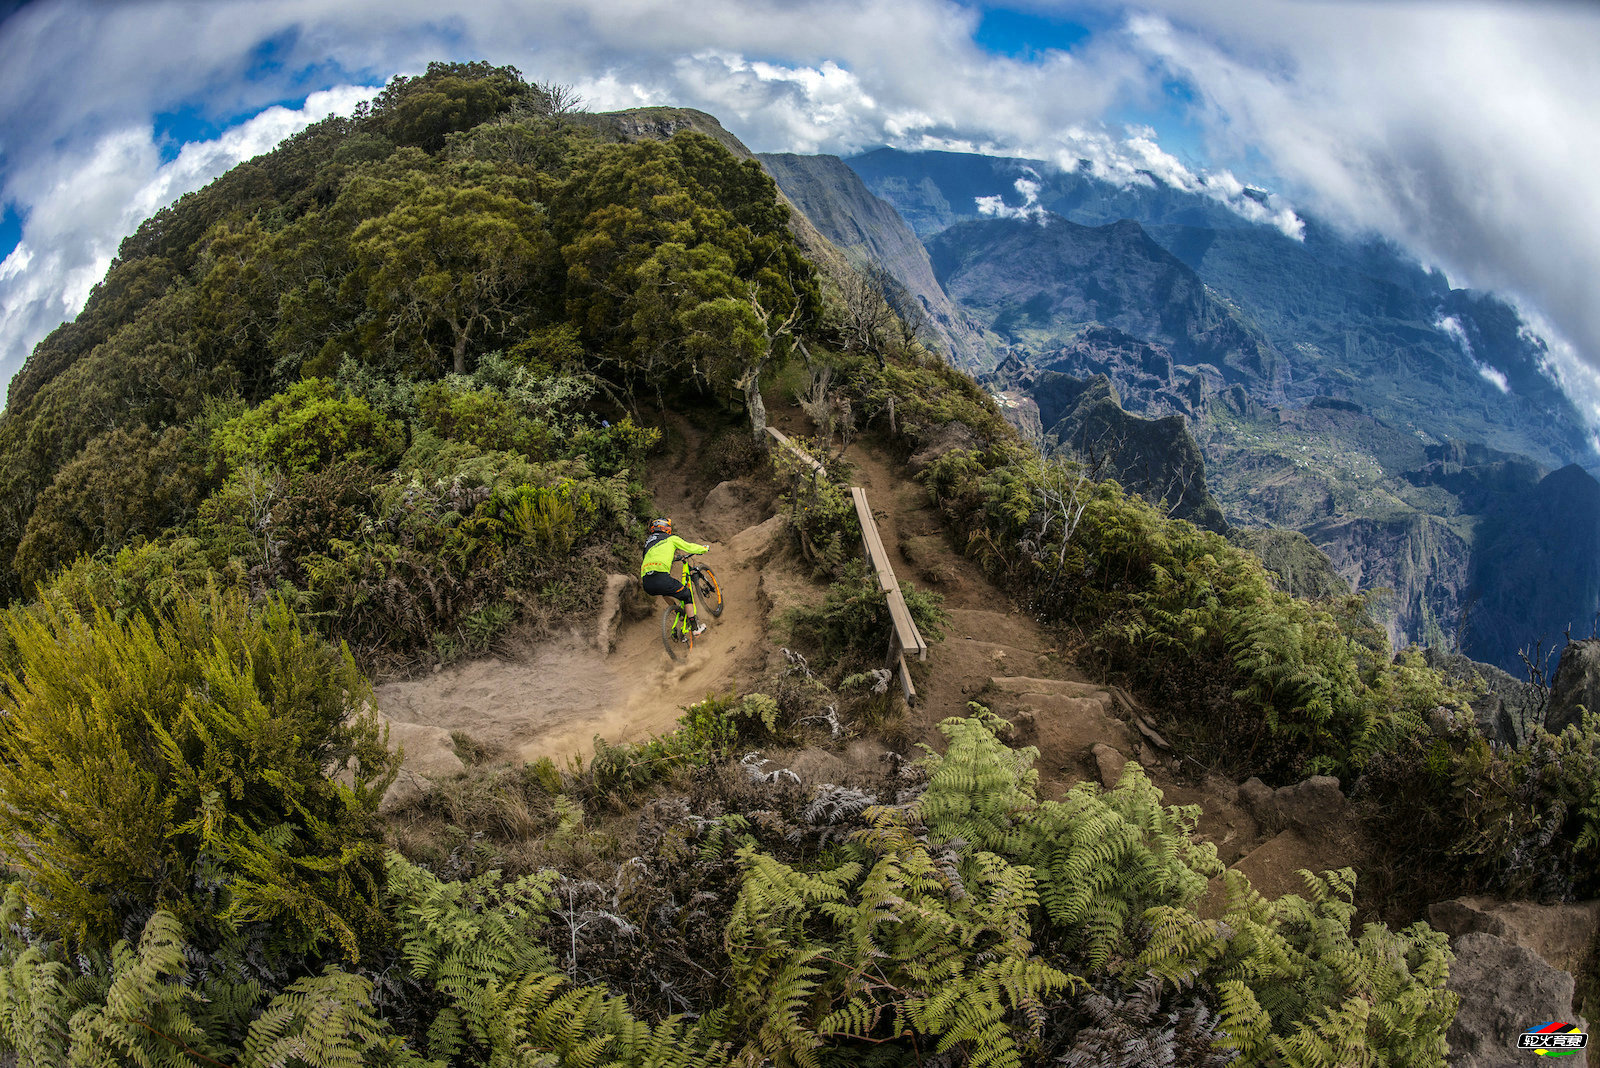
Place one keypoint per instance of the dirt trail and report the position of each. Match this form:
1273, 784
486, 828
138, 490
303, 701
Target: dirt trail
608, 676
1002, 657
611, 677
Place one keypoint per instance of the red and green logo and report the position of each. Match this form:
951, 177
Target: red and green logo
1555, 1039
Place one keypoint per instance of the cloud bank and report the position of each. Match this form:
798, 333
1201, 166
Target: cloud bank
1463, 130
86, 204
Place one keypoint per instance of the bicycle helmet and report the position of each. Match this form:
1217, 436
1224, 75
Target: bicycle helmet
661, 526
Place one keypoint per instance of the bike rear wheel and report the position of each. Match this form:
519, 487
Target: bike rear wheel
707, 593
669, 627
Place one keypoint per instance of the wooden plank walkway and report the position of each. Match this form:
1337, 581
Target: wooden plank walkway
906, 638
783, 439
905, 628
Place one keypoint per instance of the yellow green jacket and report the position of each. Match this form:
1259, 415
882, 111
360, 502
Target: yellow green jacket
659, 550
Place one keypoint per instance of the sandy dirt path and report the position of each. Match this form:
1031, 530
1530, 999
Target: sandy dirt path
553, 698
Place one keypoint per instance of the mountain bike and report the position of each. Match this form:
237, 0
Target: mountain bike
675, 628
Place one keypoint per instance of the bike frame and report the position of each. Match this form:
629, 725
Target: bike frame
680, 621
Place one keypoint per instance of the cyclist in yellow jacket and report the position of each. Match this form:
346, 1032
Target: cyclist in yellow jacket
660, 550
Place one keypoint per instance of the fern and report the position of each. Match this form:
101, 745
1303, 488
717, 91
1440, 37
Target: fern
327, 1021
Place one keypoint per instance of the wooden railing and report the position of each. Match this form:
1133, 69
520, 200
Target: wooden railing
905, 637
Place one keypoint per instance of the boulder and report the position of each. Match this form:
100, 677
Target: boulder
429, 750
1560, 934
1314, 806
729, 507
1504, 989
1260, 800
1109, 762
1576, 686
406, 788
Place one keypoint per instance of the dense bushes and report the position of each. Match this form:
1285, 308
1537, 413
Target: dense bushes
190, 760
1273, 684
333, 296
968, 919
308, 426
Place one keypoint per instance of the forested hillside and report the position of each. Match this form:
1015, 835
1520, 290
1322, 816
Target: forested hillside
370, 402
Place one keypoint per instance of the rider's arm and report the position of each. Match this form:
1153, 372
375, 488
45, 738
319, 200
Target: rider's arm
689, 547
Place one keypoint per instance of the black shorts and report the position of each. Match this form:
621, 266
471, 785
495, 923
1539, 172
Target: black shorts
662, 584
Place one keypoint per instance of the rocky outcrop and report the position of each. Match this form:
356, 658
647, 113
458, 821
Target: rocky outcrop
659, 124
1504, 989
1083, 419
1559, 934
1504, 708
1142, 372
1314, 807
1577, 685
1513, 969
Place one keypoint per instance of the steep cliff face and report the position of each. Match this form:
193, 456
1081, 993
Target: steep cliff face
1046, 280
1102, 300
871, 233
1422, 559
1536, 568
1083, 419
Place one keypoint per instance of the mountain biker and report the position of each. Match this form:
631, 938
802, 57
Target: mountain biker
660, 550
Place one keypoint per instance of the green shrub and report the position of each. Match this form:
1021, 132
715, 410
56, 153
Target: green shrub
124, 485
311, 424
481, 417
706, 733
1273, 684
853, 620
980, 921
191, 761
820, 511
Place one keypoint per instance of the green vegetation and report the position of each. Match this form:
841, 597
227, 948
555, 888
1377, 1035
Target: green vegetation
974, 920
376, 399
1252, 678
187, 762
853, 619
386, 371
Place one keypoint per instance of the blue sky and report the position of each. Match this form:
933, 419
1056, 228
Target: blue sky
1026, 35
1463, 130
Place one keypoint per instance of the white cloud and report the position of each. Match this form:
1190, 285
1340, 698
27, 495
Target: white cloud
82, 208
1138, 159
1494, 376
1578, 378
1029, 211
1464, 131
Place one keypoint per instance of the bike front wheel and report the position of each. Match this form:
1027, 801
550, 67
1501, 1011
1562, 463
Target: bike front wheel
706, 591
669, 629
